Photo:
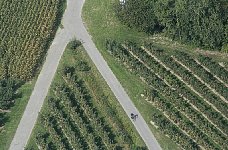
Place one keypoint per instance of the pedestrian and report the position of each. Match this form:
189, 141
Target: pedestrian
132, 116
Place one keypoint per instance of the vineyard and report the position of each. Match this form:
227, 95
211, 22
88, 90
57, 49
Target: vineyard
190, 93
27, 28
78, 113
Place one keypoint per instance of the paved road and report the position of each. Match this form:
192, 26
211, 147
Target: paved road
73, 27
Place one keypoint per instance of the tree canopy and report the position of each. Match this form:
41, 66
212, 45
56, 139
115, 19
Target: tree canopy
134, 13
202, 23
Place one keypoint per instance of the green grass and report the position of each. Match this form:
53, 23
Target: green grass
96, 83
102, 24
6, 135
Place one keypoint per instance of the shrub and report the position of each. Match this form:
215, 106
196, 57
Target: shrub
74, 44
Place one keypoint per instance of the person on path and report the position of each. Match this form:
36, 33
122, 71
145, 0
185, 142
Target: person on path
133, 116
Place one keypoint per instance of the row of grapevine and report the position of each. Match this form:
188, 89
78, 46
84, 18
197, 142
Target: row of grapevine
73, 82
187, 76
165, 75
55, 132
72, 125
70, 129
95, 121
214, 67
206, 76
43, 142
182, 121
77, 122
89, 117
141, 68
191, 80
190, 96
174, 132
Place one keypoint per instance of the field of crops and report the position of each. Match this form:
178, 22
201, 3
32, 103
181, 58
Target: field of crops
26, 30
190, 93
80, 114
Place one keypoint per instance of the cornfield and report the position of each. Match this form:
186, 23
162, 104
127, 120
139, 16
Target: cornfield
27, 27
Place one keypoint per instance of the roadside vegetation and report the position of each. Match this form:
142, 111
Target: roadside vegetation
180, 90
80, 111
26, 31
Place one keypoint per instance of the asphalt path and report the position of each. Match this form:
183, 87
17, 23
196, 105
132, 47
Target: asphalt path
74, 28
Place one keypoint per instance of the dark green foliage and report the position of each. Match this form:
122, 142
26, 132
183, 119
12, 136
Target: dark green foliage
165, 12
204, 75
68, 70
74, 121
3, 119
83, 66
2, 52
176, 134
74, 44
139, 14
214, 67
79, 114
201, 23
8, 89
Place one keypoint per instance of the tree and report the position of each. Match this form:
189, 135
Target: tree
197, 22
200, 23
165, 13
